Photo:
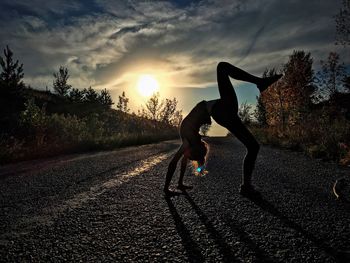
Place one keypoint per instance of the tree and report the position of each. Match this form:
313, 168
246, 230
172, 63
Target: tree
331, 76
347, 83
105, 98
168, 110
164, 111
260, 112
298, 80
204, 129
76, 95
244, 112
123, 103
177, 118
11, 77
90, 95
35, 120
273, 100
60, 83
342, 20
288, 100
153, 107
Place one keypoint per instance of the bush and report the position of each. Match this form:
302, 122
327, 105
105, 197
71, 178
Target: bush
9, 147
45, 135
35, 121
317, 135
66, 129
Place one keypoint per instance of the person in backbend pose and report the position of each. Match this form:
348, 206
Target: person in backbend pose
225, 112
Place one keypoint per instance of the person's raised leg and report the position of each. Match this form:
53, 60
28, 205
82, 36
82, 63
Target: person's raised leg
227, 69
226, 90
237, 73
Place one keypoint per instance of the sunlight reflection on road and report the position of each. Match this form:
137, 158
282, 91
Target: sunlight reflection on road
47, 215
116, 181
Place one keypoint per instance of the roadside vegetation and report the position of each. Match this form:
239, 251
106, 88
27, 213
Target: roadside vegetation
304, 110
36, 123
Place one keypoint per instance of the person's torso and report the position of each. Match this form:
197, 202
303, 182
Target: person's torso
191, 124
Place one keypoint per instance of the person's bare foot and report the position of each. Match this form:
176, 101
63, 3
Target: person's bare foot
183, 187
249, 191
268, 81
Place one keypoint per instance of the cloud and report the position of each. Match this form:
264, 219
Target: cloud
103, 42
40, 7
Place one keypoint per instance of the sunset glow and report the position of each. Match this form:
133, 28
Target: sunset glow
147, 85
171, 47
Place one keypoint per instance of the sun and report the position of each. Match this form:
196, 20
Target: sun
147, 85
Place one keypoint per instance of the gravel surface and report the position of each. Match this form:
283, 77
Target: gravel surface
109, 207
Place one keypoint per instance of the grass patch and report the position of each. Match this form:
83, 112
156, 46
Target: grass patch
16, 150
328, 140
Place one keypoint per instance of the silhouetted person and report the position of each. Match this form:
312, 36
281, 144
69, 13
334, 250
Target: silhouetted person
225, 112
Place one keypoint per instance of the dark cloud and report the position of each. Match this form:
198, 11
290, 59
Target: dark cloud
103, 41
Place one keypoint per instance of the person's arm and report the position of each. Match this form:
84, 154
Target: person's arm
172, 165
183, 169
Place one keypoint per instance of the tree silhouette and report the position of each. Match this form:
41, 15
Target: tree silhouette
244, 112
153, 106
164, 111
76, 95
288, 100
177, 118
260, 112
11, 92
11, 76
122, 104
347, 83
105, 98
60, 83
90, 95
298, 84
342, 20
168, 110
274, 101
331, 76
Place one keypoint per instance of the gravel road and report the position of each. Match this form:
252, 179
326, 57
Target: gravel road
109, 207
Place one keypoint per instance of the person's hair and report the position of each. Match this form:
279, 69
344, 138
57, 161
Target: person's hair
199, 154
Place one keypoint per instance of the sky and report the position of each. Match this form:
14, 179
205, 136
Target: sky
110, 44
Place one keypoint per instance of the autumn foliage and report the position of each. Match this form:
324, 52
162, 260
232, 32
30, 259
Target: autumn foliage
305, 110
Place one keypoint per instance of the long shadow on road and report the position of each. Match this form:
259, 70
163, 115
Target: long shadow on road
192, 249
321, 244
260, 255
224, 248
